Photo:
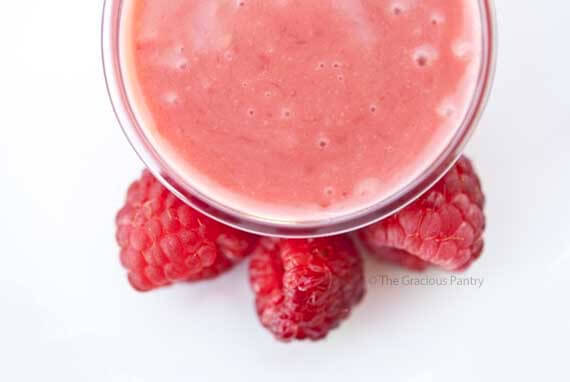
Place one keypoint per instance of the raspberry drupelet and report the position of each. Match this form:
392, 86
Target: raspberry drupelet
444, 227
305, 287
164, 241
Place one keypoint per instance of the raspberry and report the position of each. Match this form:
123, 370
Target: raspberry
444, 227
163, 240
304, 288
399, 257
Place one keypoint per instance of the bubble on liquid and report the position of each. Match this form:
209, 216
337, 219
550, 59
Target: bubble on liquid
461, 49
251, 112
182, 64
321, 65
244, 84
228, 56
240, 3
421, 60
373, 108
425, 55
437, 18
446, 109
329, 191
398, 8
286, 113
337, 65
340, 77
323, 142
368, 187
171, 59
171, 97
268, 94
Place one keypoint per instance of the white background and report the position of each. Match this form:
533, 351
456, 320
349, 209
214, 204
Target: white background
67, 313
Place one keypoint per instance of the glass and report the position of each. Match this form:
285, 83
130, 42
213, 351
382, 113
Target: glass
241, 219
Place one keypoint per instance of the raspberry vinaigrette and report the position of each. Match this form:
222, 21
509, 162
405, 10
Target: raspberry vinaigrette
300, 110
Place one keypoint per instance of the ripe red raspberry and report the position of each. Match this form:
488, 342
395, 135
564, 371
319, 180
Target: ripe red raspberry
304, 288
163, 240
444, 227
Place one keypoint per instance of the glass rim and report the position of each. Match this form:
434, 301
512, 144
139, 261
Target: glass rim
124, 112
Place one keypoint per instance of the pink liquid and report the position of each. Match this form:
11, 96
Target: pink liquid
296, 110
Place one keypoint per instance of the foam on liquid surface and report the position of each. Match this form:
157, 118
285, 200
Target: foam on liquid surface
298, 110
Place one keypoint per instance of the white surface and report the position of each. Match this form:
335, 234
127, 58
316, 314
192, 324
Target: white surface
67, 314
